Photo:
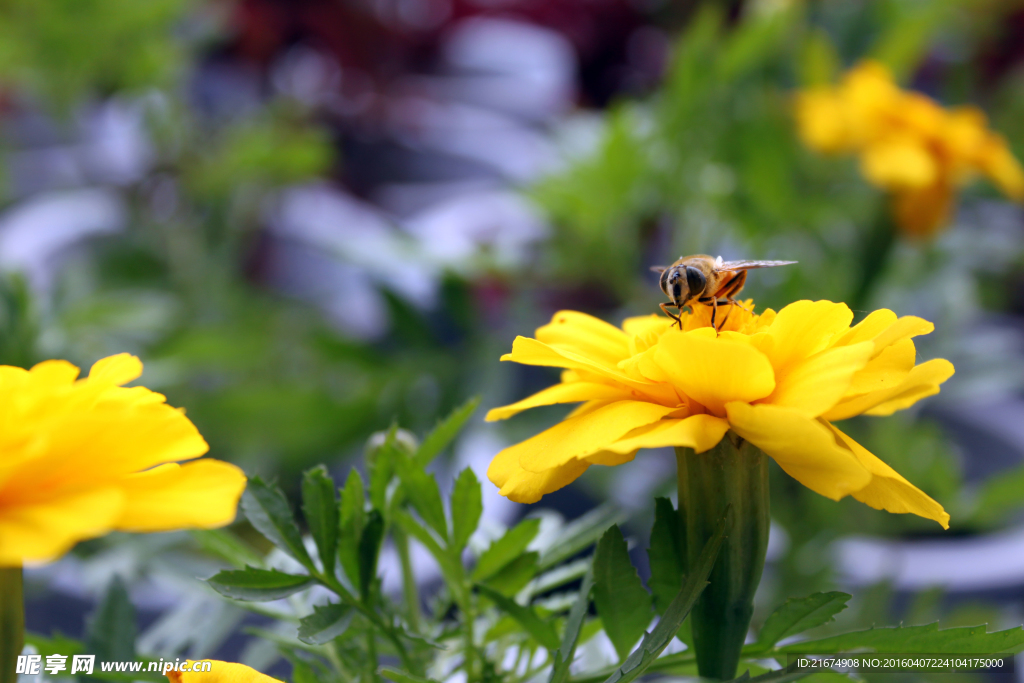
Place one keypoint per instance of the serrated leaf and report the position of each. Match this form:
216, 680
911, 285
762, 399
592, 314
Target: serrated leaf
911, 639
369, 550
567, 651
667, 554
622, 603
353, 517
467, 506
445, 432
110, 630
402, 677
226, 546
422, 491
326, 623
320, 508
542, 631
579, 534
505, 549
515, 575
258, 585
267, 509
451, 571
662, 634
797, 615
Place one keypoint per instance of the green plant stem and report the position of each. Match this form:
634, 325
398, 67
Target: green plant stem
12, 622
732, 474
875, 253
371, 657
410, 593
374, 618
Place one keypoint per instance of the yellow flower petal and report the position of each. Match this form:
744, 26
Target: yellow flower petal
898, 165
714, 371
532, 352
54, 373
220, 672
521, 486
889, 491
803, 447
820, 117
870, 327
566, 392
116, 370
585, 335
699, 432
999, 164
923, 212
202, 494
802, 329
922, 381
48, 529
816, 384
584, 434
885, 370
906, 327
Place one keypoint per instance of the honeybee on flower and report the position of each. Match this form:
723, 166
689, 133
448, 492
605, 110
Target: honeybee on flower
777, 380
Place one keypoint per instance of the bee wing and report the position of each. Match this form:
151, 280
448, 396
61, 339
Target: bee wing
747, 265
659, 269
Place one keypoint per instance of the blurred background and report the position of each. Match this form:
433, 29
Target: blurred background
315, 218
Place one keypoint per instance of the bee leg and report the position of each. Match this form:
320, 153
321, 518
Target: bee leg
737, 303
719, 328
677, 318
714, 310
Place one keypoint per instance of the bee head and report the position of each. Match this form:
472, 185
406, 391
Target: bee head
682, 283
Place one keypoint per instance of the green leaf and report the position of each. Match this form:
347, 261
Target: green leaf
514, 575
320, 507
110, 630
380, 467
226, 546
580, 534
577, 613
326, 623
783, 675
622, 603
423, 493
445, 431
467, 506
353, 517
910, 639
667, 554
797, 615
369, 550
505, 549
451, 568
658, 639
258, 585
402, 677
267, 509
542, 631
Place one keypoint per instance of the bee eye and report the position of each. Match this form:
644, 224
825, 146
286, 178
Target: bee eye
696, 281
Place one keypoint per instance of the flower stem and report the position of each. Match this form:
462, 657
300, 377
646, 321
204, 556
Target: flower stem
876, 250
733, 473
12, 622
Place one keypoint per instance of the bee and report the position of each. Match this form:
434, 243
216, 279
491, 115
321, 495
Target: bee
705, 280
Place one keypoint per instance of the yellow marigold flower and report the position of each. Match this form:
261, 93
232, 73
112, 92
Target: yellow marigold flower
778, 380
908, 144
83, 457
220, 672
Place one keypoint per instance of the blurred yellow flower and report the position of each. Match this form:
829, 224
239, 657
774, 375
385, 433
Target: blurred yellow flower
220, 672
777, 380
85, 457
908, 144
